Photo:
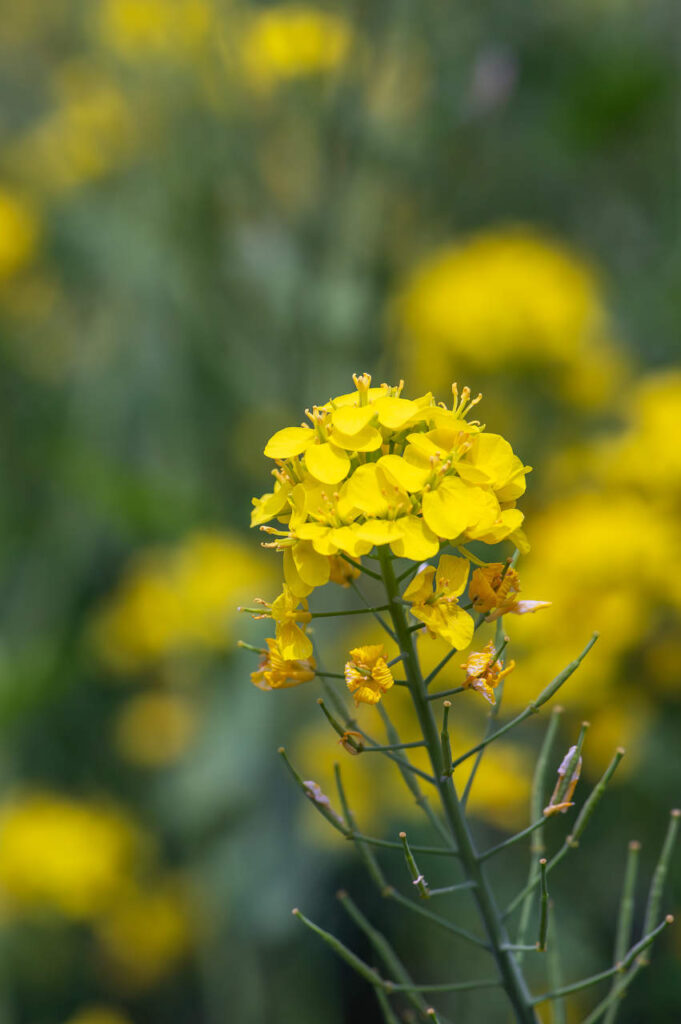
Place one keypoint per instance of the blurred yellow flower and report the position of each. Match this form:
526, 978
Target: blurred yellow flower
91, 131
604, 559
292, 41
145, 932
178, 600
155, 729
65, 854
155, 28
99, 1014
647, 455
507, 297
18, 232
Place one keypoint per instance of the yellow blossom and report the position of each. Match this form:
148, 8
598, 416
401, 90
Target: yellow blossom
374, 468
292, 642
292, 41
367, 674
494, 589
145, 932
90, 131
177, 600
155, 729
62, 853
18, 232
143, 29
434, 594
508, 297
484, 671
276, 672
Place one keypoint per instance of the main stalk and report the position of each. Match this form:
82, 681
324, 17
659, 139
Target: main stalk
511, 975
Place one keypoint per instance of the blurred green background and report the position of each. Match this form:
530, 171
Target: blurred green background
211, 214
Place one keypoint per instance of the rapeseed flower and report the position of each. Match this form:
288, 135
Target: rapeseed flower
494, 591
508, 298
177, 600
374, 468
66, 854
367, 674
484, 671
144, 29
433, 595
293, 41
18, 233
276, 672
155, 729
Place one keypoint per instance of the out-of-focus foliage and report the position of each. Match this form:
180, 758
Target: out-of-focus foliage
211, 213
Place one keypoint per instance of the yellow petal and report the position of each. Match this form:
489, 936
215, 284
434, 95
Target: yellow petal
395, 413
347, 540
319, 535
452, 574
508, 522
269, 505
455, 626
294, 581
514, 487
327, 463
416, 541
490, 460
421, 587
366, 440
363, 492
404, 474
312, 567
293, 643
289, 442
350, 419
378, 531
446, 510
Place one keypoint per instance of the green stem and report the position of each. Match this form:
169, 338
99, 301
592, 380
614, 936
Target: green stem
392, 894
537, 802
385, 951
554, 971
511, 977
624, 921
544, 914
620, 968
514, 839
660, 874
381, 621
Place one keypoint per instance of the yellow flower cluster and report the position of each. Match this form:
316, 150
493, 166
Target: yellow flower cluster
18, 233
62, 853
177, 600
291, 41
508, 298
373, 468
155, 28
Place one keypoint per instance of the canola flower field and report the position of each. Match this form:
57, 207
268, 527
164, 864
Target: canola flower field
212, 214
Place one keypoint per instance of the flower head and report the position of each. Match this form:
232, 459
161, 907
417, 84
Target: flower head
484, 671
276, 672
494, 589
367, 674
372, 468
291, 638
434, 594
